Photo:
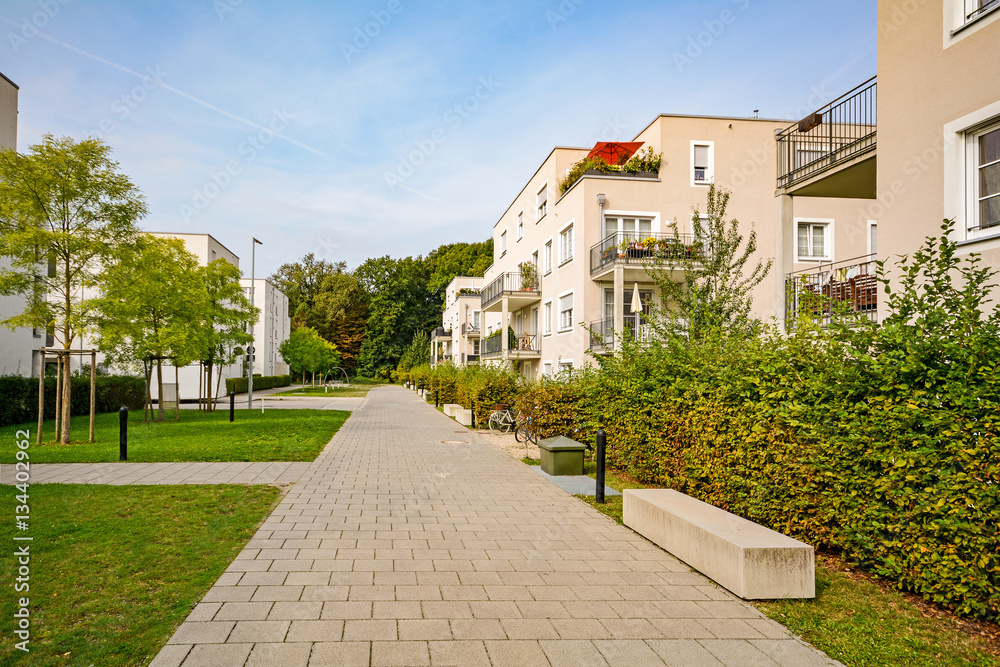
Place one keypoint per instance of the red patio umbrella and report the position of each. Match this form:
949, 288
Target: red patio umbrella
614, 152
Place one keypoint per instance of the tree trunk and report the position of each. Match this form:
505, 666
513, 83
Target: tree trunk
59, 398
159, 389
147, 406
209, 398
67, 405
93, 397
218, 382
177, 392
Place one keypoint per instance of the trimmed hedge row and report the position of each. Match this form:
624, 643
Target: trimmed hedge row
242, 385
477, 387
20, 396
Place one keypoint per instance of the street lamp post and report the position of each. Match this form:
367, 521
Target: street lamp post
251, 353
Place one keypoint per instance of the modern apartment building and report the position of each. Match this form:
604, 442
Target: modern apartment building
273, 327
570, 272
458, 339
935, 155
18, 347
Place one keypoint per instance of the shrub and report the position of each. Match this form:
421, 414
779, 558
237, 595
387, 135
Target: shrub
242, 385
20, 404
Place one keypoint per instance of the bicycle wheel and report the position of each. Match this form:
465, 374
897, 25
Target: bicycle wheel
521, 433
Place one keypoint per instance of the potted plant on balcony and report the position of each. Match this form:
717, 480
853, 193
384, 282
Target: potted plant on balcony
529, 277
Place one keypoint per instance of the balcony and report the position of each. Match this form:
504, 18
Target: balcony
519, 346
470, 359
830, 292
470, 330
440, 334
831, 153
602, 333
639, 251
520, 287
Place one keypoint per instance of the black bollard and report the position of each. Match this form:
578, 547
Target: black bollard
232, 406
123, 434
599, 455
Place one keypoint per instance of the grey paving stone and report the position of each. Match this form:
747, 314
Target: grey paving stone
341, 654
217, 655
279, 655
573, 653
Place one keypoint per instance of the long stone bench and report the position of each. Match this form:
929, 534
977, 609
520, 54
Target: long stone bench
754, 562
451, 409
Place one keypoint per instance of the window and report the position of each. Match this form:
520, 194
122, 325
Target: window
702, 162
542, 202
547, 318
965, 17
503, 243
872, 237
813, 240
627, 227
566, 245
475, 319
548, 257
534, 259
520, 225
566, 365
547, 369
566, 312
984, 171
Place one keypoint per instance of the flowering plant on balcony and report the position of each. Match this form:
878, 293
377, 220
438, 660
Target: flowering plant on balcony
529, 276
643, 161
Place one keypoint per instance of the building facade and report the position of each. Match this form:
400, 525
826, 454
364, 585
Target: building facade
459, 338
18, 347
273, 327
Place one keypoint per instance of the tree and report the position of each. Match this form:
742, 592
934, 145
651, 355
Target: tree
418, 353
306, 352
340, 312
715, 294
226, 320
153, 299
302, 282
66, 204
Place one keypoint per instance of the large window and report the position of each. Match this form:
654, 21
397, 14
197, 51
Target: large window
627, 226
984, 153
566, 312
547, 318
566, 245
548, 257
702, 162
542, 202
813, 241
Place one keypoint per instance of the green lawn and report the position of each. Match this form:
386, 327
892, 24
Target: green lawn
275, 435
115, 569
852, 619
354, 391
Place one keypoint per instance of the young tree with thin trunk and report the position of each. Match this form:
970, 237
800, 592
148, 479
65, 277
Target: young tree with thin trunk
64, 204
225, 323
306, 352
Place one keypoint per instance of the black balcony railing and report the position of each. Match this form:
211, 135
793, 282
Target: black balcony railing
521, 283
492, 346
525, 342
602, 332
470, 358
828, 292
843, 129
644, 248
469, 329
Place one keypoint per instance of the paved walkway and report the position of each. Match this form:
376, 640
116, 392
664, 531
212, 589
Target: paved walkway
281, 472
411, 541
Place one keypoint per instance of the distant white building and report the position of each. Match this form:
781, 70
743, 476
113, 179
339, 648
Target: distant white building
273, 327
18, 348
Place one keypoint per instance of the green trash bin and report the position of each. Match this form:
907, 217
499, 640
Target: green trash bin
561, 456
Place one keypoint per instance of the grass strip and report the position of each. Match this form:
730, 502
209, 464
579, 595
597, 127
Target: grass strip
855, 620
275, 435
115, 569
354, 391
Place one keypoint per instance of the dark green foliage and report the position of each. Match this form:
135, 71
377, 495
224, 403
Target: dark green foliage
260, 382
20, 396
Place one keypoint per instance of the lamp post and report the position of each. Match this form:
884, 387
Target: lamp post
251, 352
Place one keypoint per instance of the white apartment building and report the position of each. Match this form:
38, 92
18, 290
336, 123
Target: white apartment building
567, 264
458, 339
273, 327
18, 347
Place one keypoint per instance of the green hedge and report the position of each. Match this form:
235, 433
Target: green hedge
20, 396
241, 385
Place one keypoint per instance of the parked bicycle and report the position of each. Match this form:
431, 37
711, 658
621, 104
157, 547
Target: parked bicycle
524, 432
501, 419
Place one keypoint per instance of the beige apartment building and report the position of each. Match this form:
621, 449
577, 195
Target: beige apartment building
935, 155
567, 266
458, 339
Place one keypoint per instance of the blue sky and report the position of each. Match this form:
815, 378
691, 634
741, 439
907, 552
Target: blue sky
360, 129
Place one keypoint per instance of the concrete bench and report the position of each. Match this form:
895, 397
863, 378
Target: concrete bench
754, 562
463, 416
451, 409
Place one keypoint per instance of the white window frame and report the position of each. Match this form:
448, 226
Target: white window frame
872, 224
958, 178
547, 318
503, 243
565, 365
710, 170
547, 369
547, 257
520, 225
654, 227
541, 205
563, 257
957, 23
559, 313
827, 239
972, 180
